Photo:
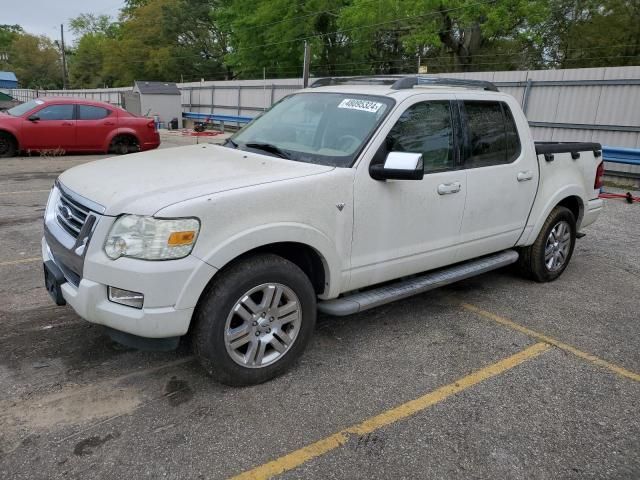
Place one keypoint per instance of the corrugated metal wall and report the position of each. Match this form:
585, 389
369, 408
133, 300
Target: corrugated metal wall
605, 109
588, 104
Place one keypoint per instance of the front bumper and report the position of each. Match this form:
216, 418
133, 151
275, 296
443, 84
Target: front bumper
178, 285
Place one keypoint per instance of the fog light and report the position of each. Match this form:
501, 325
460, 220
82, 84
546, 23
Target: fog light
126, 297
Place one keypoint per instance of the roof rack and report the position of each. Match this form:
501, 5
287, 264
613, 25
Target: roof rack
399, 82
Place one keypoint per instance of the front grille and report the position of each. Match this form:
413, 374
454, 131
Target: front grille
70, 214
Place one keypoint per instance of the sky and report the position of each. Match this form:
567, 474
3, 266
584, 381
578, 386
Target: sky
43, 17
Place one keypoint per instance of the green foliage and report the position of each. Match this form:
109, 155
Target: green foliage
8, 33
35, 61
176, 40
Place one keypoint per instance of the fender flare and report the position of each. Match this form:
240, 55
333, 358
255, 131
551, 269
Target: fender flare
571, 190
264, 235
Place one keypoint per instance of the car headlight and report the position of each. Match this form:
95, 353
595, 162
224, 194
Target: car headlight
149, 238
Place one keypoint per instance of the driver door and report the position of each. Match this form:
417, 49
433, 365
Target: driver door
402, 227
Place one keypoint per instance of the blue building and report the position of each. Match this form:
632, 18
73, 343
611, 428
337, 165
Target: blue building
8, 80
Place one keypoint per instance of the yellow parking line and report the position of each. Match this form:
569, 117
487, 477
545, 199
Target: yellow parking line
24, 191
314, 450
552, 341
22, 260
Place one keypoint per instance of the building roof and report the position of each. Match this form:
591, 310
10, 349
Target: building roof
8, 76
157, 88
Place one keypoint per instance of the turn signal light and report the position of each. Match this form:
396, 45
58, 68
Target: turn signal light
181, 238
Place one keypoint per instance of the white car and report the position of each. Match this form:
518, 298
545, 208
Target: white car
343, 196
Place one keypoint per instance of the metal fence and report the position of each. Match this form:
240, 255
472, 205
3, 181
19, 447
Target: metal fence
110, 95
588, 104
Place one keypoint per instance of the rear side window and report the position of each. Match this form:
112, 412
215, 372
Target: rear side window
89, 112
425, 128
56, 112
492, 134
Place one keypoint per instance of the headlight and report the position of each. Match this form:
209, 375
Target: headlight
150, 238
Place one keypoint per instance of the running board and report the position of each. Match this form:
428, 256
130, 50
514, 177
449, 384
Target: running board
375, 297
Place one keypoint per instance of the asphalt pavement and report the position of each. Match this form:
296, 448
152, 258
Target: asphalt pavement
493, 377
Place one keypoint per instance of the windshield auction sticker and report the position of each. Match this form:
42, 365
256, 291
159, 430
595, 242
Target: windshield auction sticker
359, 104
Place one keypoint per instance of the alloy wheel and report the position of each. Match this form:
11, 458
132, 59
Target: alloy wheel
557, 247
263, 325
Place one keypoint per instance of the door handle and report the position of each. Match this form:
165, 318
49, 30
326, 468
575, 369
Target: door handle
109, 123
67, 124
448, 188
524, 176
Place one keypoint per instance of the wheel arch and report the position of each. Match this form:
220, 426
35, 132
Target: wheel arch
306, 257
569, 197
119, 132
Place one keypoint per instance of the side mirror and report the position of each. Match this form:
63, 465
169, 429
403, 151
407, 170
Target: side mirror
399, 166
33, 118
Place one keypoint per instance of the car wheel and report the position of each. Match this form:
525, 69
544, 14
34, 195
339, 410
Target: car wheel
8, 146
255, 320
122, 145
548, 257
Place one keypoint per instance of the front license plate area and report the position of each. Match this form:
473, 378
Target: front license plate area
53, 280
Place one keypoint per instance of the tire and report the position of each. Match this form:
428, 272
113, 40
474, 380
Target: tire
8, 145
124, 144
240, 337
548, 257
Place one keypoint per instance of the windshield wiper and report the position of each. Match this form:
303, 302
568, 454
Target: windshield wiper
268, 147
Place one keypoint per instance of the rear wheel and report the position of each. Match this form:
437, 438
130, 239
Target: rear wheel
8, 145
123, 144
255, 320
547, 258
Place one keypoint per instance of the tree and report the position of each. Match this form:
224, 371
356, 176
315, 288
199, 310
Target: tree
90, 24
8, 34
460, 35
270, 34
172, 40
36, 62
588, 33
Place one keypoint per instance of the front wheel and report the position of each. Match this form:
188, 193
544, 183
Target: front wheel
547, 258
255, 320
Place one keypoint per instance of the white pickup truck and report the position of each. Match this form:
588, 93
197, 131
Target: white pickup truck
341, 197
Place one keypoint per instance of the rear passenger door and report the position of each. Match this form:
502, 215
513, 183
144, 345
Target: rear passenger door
501, 178
93, 126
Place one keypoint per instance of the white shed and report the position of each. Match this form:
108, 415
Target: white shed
159, 98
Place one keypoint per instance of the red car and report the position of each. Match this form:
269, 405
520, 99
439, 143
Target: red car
74, 125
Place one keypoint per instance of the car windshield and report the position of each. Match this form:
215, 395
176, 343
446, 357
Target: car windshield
23, 108
323, 128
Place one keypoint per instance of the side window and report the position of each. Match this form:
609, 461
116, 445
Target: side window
425, 128
89, 112
56, 112
493, 137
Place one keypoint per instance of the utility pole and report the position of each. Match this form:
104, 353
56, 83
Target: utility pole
64, 58
305, 66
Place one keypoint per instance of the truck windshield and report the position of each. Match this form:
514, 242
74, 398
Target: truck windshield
322, 128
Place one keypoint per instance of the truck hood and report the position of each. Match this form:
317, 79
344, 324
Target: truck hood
144, 183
